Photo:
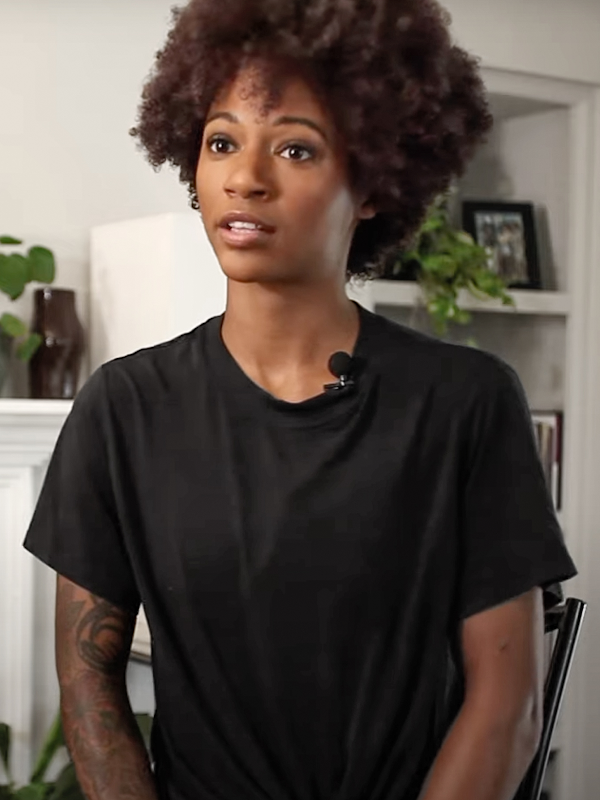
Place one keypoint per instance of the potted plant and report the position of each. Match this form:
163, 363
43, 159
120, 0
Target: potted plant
16, 271
39, 788
445, 260
66, 785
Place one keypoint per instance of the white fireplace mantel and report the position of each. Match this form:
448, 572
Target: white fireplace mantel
28, 432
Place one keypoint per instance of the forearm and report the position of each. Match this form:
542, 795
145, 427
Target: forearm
482, 758
104, 741
93, 640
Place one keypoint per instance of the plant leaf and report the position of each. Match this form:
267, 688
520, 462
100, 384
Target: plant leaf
14, 275
52, 744
67, 786
9, 240
13, 326
461, 317
5, 747
144, 722
442, 264
465, 238
432, 223
450, 260
6, 793
34, 791
27, 349
43, 267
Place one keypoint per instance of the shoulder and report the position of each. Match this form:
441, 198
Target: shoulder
163, 366
146, 379
456, 371
167, 357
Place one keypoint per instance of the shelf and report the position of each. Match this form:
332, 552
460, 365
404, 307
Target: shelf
29, 428
34, 408
406, 293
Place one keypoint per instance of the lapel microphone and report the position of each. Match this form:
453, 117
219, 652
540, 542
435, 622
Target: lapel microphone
340, 364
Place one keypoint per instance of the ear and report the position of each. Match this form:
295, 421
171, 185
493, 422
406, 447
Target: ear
366, 211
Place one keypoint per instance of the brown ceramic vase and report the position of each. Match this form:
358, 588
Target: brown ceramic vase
54, 369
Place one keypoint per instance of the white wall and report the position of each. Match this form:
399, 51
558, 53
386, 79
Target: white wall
557, 38
70, 77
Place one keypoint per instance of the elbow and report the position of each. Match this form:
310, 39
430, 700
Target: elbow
530, 732
514, 727
524, 726
531, 721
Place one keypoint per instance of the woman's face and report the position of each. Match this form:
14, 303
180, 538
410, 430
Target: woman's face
286, 172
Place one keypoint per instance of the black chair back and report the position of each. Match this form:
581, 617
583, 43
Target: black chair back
567, 620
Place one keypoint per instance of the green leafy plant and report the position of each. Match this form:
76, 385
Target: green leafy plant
66, 785
16, 271
445, 261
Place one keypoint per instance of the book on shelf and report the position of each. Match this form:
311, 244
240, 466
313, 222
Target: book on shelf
548, 429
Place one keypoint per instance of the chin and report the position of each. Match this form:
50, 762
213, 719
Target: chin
252, 267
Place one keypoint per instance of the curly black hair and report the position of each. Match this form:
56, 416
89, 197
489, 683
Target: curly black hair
410, 105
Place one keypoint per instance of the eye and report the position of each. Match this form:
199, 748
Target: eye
298, 152
219, 144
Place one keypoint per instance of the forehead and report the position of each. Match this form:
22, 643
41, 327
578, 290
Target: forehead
259, 94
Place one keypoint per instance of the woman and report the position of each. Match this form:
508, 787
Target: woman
315, 557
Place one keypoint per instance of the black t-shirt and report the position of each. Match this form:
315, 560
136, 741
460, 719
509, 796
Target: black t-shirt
304, 567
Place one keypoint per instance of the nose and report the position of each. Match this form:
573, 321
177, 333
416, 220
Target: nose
249, 176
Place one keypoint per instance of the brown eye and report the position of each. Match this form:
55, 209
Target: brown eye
219, 145
298, 152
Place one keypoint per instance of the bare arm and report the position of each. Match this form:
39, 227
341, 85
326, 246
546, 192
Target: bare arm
93, 639
495, 736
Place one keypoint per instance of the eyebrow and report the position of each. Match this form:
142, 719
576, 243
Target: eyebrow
285, 120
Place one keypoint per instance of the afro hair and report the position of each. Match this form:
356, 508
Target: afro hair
409, 104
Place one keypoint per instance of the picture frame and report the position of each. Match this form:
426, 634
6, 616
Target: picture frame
509, 231
548, 429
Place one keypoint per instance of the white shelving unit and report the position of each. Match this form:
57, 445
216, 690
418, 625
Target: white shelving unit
405, 294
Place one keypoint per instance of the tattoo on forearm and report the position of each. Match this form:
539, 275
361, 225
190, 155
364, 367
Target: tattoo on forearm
104, 742
100, 635
102, 632
71, 609
99, 726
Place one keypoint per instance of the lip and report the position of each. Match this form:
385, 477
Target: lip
241, 216
245, 238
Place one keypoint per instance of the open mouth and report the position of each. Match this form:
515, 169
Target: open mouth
245, 226
243, 234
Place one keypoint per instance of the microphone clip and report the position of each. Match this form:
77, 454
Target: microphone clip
341, 365
344, 382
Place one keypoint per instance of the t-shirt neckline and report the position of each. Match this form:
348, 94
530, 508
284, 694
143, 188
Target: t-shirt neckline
314, 409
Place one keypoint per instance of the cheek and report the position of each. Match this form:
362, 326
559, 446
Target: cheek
202, 183
328, 214
206, 179
340, 226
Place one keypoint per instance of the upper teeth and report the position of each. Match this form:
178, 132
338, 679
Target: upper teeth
249, 225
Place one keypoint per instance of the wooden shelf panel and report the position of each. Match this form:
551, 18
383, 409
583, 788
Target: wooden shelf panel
406, 293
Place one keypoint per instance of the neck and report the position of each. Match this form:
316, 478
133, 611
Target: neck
283, 339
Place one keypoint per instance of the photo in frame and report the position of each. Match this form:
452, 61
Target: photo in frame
548, 428
508, 230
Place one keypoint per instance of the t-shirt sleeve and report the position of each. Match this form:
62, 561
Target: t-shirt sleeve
75, 528
511, 538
